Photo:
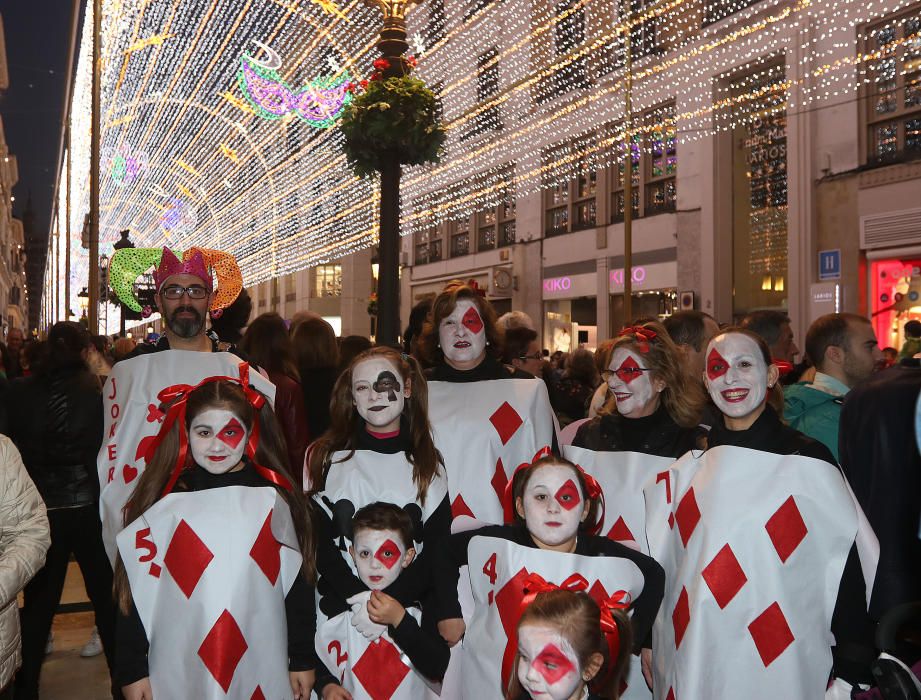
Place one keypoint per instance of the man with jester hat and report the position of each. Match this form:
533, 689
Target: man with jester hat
185, 354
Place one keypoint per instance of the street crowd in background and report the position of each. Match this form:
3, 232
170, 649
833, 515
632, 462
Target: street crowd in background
603, 500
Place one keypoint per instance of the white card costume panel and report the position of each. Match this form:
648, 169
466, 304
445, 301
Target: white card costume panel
133, 418
209, 571
484, 430
498, 569
753, 545
368, 477
623, 476
376, 670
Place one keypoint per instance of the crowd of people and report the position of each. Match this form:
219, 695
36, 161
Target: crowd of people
260, 509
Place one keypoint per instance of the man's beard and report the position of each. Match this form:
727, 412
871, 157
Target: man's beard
186, 327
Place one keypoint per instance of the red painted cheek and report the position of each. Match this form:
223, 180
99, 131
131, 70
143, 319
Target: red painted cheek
628, 370
553, 664
472, 320
570, 490
716, 365
388, 554
231, 434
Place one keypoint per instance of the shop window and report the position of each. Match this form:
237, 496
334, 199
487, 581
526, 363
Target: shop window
428, 246
460, 237
328, 281
893, 93
487, 119
571, 187
568, 36
435, 30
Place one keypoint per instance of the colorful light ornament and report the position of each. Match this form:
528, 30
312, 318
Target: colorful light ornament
124, 165
178, 217
319, 103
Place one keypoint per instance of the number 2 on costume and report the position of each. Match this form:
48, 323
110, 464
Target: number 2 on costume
142, 541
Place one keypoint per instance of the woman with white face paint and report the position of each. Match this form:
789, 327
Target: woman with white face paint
569, 648
378, 448
477, 405
758, 477
555, 507
216, 478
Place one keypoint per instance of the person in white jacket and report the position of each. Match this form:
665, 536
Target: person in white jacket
24, 541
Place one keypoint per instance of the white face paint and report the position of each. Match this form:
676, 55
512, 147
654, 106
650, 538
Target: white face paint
631, 383
548, 667
553, 506
379, 557
736, 374
217, 440
379, 393
462, 335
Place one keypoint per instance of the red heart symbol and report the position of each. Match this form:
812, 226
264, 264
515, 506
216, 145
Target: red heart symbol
130, 473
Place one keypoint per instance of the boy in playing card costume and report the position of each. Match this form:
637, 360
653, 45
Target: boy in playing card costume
212, 578
757, 538
556, 506
393, 666
485, 425
378, 448
569, 648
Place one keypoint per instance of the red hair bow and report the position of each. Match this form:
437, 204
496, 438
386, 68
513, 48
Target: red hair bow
642, 334
177, 397
619, 601
475, 286
783, 367
535, 583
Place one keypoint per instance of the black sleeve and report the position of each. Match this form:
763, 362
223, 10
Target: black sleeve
131, 642
854, 650
438, 526
646, 606
324, 678
444, 565
426, 649
301, 615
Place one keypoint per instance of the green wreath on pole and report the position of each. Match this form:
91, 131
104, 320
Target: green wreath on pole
392, 117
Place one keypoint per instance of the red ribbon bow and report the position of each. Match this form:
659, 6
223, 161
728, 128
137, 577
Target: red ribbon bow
535, 583
474, 285
783, 367
620, 600
642, 334
177, 396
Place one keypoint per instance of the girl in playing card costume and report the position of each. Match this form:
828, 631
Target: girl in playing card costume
215, 562
569, 648
484, 424
556, 507
378, 448
767, 563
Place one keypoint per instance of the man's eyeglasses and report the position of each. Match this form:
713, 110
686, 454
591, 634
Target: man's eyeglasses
535, 356
175, 291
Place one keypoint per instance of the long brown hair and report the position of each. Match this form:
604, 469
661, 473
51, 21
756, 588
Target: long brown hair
523, 475
270, 453
315, 344
683, 394
444, 306
267, 345
578, 619
345, 424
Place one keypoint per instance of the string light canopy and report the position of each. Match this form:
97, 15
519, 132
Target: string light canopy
218, 115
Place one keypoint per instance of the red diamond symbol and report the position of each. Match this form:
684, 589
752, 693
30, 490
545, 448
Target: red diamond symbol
687, 515
671, 694
380, 669
506, 421
724, 576
771, 633
619, 532
266, 551
786, 529
460, 507
681, 616
257, 694
499, 481
186, 558
222, 649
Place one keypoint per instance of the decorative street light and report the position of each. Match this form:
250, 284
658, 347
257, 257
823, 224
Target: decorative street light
84, 298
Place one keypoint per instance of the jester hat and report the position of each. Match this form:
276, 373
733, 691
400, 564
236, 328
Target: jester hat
128, 264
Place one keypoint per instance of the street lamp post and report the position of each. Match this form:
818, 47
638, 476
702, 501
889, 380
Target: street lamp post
104, 290
121, 243
83, 296
392, 45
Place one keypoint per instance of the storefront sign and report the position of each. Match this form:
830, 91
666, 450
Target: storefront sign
558, 284
662, 275
617, 276
571, 286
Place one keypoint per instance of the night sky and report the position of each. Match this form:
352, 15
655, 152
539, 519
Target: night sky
37, 46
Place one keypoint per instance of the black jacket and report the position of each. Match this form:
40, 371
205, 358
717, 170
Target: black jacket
56, 422
656, 435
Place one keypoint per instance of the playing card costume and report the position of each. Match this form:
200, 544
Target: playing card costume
500, 558
212, 571
392, 667
377, 471
486, 421
756, 535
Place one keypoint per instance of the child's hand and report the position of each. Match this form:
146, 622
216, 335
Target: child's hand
385, 609
361, 620
335, 692
301, 683
452, 630
139, 690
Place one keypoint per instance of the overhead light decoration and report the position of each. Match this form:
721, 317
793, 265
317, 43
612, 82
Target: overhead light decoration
125, 165
319, 103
